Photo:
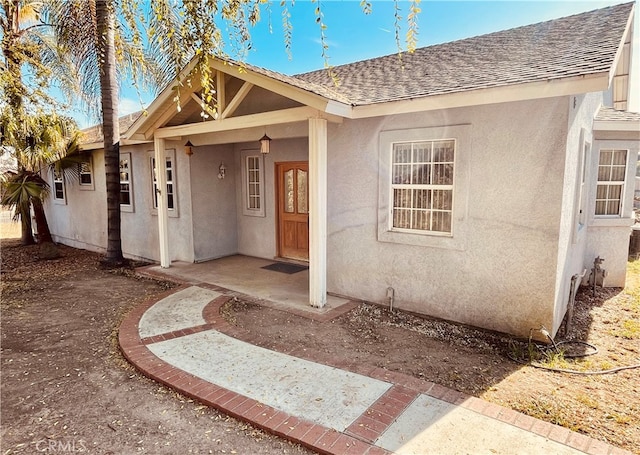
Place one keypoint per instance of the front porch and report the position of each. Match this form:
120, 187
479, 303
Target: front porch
246, 275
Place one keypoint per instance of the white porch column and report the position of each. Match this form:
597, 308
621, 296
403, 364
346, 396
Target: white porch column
163, 211
317, 212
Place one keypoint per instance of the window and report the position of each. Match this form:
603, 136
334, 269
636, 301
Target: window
612, 167
579, 217
85, 173
171, 200
422, 186
58, 186
126, 188
253, 183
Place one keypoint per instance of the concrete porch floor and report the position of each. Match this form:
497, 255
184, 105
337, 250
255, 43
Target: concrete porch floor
245, 274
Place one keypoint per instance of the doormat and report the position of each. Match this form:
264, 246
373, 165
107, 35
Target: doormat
285, 267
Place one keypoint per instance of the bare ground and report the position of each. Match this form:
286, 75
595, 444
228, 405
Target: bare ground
478, 363
66, 387
64, 380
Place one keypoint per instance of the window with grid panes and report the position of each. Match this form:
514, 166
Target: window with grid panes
85, 173
422, 186
254, 194
125, 180
58, 185
170, 185
612, 166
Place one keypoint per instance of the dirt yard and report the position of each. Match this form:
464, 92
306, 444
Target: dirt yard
65, 386
65, 382
605, 407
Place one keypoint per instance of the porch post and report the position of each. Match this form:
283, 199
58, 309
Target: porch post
317, 212
163, 212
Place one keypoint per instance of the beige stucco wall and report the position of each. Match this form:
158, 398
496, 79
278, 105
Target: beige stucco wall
82, 222
214, 202
82, 228
501, 274
514, 248
572, 236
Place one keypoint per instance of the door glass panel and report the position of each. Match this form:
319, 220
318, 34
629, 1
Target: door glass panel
289, 192
302, 191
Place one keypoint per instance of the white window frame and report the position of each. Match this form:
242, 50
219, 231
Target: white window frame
126, 157
58, 179
247, 156
580, 214
612, 183
170, 156
431, 187
457, 238
83, 185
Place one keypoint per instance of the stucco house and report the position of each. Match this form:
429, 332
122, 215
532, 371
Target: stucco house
474, 178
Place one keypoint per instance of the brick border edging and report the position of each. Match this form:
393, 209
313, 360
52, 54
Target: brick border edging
309, 434
358, 438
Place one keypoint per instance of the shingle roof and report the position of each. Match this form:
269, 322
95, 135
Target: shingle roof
577, 45
94, 134
609, 113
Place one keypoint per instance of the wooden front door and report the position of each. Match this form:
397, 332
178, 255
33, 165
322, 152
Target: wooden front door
293, 209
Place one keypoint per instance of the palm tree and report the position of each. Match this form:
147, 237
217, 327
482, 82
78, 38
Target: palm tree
86, 31
24, 41
51, 140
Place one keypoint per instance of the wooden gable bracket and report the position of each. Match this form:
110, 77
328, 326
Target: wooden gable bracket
214, 115
237, 99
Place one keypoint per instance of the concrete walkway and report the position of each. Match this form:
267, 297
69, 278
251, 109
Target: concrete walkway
328, 405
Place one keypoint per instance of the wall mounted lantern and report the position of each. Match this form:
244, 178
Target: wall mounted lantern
264, 144
222, 171
188, 148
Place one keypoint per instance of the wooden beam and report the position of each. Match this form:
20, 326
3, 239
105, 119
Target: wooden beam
210, 111
298, 94
221, 94
237, 99
295, 114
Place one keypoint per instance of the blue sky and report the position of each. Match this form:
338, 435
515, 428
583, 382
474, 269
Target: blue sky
353, 36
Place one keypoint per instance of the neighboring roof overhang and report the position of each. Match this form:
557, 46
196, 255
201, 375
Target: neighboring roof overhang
615, 124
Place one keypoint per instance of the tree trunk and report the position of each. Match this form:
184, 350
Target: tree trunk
44, 234
48, 249
27, 228
105, 21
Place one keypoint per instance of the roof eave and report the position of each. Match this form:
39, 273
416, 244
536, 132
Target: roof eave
91, 146
139, 125
516, 92
617, 125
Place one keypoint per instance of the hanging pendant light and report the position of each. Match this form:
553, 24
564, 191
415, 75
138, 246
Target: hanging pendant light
188, 148
264, 144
